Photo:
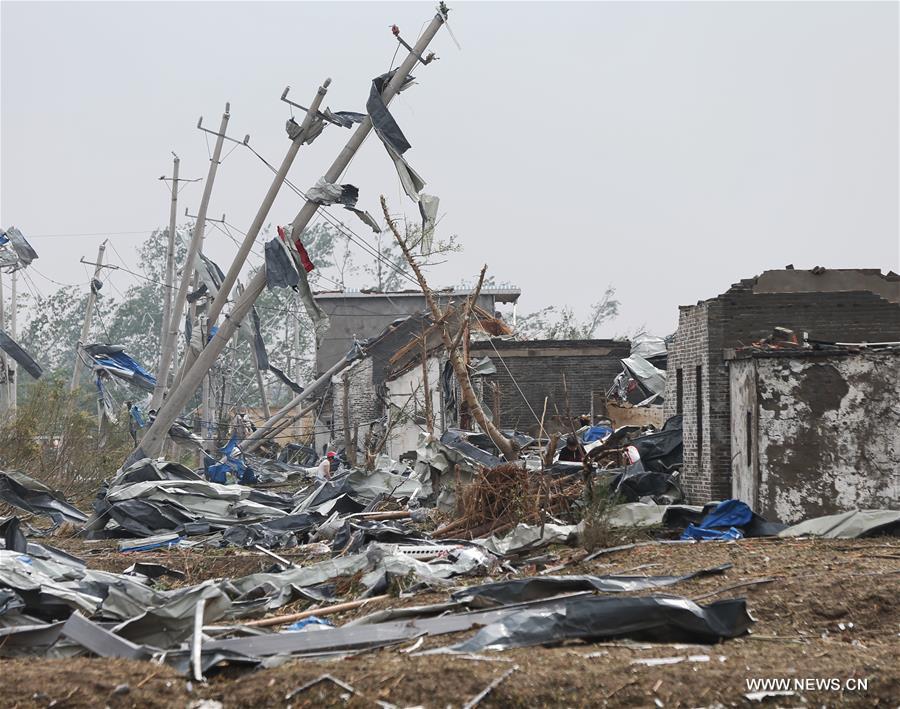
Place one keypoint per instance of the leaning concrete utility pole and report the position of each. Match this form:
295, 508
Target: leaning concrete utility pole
266, 429
193, 375
164, 355
88, 314
4, 362
195, 247
14, 385
215, 309
249, 446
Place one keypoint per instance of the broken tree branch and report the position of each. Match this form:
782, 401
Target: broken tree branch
457, 362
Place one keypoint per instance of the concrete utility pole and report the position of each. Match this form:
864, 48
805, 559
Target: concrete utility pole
267, 428
219, 301
4, 362
167, 353
88, 314
280, 427
165, 356
14, 386
215, 309
193, 375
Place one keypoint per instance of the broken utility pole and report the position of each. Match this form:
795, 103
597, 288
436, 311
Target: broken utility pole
191, 376
169, 278
88, 315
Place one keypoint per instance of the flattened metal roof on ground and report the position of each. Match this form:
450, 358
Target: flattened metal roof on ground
36, 637
534, 587
356, 636
664, 619
32, 496
847, 525
100, 641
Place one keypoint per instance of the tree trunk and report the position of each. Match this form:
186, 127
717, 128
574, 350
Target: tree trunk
456, 360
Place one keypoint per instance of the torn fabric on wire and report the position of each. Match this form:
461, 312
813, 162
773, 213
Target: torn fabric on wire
301, 258
299, 248
114, 360
428, 208
391, 136
291, 384
326, 193
366, 219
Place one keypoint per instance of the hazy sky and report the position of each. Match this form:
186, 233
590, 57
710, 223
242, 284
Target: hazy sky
668, 149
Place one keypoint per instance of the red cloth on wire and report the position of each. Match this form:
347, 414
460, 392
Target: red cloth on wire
308, 265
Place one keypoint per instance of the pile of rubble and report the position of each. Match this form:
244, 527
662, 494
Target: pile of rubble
370, 535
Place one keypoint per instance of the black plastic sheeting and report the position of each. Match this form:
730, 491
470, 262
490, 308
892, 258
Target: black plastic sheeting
660, 619
662, 451
30, 495
536, 587
382, 120
287, 531
631, 485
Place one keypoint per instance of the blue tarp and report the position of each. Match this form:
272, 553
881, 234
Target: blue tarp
701, 534
730, 513
118, 363
217, 472
596, 433
722, 523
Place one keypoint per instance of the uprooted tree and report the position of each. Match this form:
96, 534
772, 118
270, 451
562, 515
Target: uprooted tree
452, 343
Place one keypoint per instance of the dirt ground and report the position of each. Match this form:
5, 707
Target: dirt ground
831, 611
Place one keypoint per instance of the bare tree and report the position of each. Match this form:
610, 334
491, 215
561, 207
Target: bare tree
451, 344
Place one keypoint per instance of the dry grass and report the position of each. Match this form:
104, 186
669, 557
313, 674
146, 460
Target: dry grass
54, 438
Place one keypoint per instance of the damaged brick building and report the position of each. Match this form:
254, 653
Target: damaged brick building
815, 431
532, 371
844, 306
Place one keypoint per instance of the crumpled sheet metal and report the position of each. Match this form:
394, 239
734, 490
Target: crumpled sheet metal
847, 525
527, 536
15, 350
150, 497
535, 587
33, 496
367, 485
652, 379
22, 252
664, 619
643, 514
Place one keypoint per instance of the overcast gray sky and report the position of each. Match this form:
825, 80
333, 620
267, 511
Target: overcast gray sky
668, 149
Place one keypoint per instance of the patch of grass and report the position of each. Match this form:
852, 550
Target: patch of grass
597, 532
53, 437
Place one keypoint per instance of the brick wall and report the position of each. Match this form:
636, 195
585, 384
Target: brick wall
737, 318
363, 401
537, 366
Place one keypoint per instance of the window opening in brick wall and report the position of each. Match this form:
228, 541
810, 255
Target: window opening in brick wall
699, 401
679, 392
